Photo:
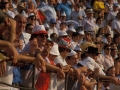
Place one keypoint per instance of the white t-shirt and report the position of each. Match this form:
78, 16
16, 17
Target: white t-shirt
7, 78
60, 83
112, 15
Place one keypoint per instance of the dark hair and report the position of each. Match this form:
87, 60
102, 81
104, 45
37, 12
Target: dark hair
100, 29
107, 45
32, 36
109, 69
97, 43
3, 16
115, 36
61, 49
68, 57
27, 25
98, 19
106, 35
75, 34
78, 5
97, 35
52, 35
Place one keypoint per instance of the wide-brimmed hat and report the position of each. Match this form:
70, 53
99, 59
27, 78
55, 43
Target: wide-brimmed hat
54, 50
89, 10
39, 29
93, 50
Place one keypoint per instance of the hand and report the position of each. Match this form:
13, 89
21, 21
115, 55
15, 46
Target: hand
12, 52
80, 18
40, 63
18, 43
66, 68
83, 69
93, 81
76, 72
33, 45
60, 74
60, 66
115, 80
2, 68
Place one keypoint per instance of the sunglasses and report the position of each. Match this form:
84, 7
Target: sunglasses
32, 18
43, 35
108, 48
5, 2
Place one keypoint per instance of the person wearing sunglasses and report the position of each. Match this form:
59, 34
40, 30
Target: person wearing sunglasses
31, 19
108, 60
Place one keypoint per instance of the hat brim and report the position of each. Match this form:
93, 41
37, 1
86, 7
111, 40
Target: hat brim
40, 32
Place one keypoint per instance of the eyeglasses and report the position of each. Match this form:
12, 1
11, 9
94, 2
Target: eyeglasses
43, 35
32, 18
68, 50
108, 48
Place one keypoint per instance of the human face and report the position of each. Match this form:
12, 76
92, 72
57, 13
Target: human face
117, 40
74, 60
32, 20
21, 23
109, 39
89, 15
42, 38
6, 3
29, 29
88, 36
51, 2
111, 72
48, 45
107, 50
98, 46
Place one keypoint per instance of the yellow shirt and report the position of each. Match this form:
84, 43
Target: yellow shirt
98, 5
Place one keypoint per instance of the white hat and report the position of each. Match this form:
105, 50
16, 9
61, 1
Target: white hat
63, 33
77, 48
54, 50
72, 53
46, 25
31, 14
63, 14
88, 64
81, 32
71, 29
39, 29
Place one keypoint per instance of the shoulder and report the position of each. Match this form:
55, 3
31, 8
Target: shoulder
26, 35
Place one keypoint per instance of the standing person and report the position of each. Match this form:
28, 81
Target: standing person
88, 23
49, 10
79, 12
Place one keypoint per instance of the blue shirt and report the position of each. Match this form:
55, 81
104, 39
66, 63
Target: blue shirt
66, 8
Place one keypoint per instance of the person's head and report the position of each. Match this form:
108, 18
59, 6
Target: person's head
64, 1
72, 58
75, 36
20, 7
98, 45
118, 15
116, 38
31, 5
101, 30
52, 22
99, 20
70, 31
108, 37
64, 51
31, 18
78, 50
63, 16
115, 7
114, 52
89, 12
4, 4
29, 28
63, 25
88, 36
4, 18
99, 37
40, 34
93, 52
110, 1
77, 7
107, 49
51, 2
113, 45
20, 23
49, 44
110, 71
54, 37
